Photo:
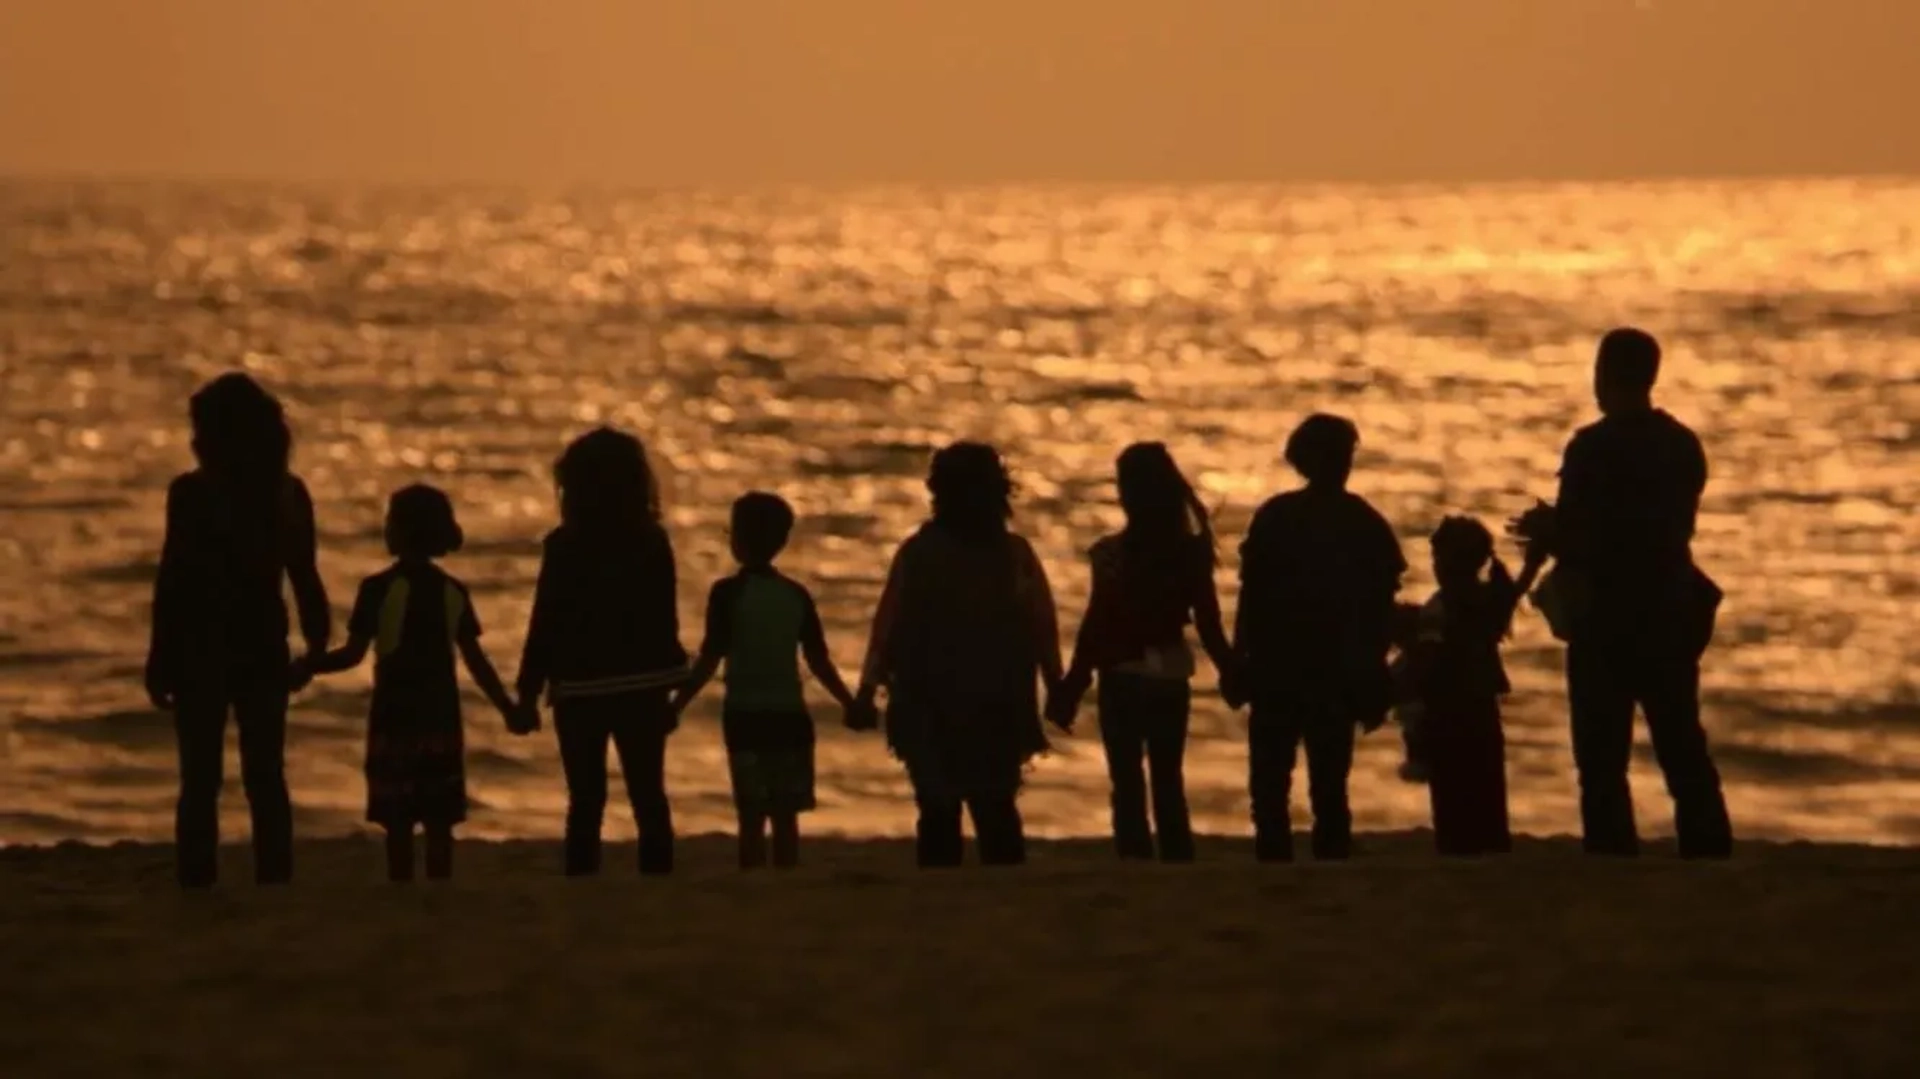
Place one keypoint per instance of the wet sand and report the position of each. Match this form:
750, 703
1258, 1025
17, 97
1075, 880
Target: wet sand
1793, 960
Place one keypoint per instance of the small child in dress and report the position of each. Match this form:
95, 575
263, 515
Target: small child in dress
1454, 673
757, 621
414, 617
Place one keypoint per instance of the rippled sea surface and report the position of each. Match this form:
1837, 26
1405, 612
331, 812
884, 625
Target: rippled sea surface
820, 344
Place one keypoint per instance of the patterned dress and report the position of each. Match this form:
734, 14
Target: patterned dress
416, 769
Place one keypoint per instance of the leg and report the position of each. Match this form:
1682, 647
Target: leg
400, 852
1497, 828
998, 829
786, 840
753, 838
640, 738
937, 841
1601, 702
439, 851
1121, 736
1273, 733
1444, 783
1166, 756
200, 726
1329, 737
260, 710
582, 730
1671, 693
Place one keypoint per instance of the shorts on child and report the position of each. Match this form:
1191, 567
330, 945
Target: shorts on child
770, 760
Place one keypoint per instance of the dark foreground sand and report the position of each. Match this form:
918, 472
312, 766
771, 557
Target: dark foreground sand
1791, 961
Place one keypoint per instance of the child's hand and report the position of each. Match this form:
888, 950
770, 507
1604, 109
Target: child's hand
299, 674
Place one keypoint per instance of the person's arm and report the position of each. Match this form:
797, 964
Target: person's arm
484, 676
1088, 653
886, 616
713, 647
1207, 621
1573, 507
813, 648
536, 654
1253, 586
466, 635
303, 569
169, 582
363, 625
666, 574
1044, 618
344, 658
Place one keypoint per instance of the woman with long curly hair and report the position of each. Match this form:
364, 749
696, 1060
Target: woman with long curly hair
964, 633
604, 642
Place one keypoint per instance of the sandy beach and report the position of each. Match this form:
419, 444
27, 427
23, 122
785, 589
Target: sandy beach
1794, 960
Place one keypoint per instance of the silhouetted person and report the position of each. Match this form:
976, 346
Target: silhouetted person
1318, 570
1638, 613
965, 626
414, 617
1455, 673
238, 526
758, 621
1150, 581
604, 643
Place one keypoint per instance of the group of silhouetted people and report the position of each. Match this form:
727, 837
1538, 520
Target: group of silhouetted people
965, 644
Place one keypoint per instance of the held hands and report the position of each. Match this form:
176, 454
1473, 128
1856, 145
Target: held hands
300, 673
1063, 701
523, 717
861, 713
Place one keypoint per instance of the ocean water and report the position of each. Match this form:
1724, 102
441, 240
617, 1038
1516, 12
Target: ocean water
820, 344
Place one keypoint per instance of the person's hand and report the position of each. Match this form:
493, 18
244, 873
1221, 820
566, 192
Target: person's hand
159, 688
1233, 688
524, 718
299, 674
1535, 525
861, 715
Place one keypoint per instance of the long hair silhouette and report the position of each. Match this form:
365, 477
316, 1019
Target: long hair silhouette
607, 485
972, 491
1164, 513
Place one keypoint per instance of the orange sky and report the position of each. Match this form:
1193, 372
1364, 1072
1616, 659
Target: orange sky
763, 91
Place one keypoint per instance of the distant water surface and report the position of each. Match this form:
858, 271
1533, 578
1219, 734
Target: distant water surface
820, 344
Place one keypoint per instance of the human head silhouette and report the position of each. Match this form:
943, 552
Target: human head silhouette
1321, 450
239, 430
421, 524
1462, 547
1624, 371
607, 484
972, 491
762, 522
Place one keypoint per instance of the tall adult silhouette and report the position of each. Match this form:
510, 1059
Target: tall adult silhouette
1319, 570
965, 630
237, 527
1638, 612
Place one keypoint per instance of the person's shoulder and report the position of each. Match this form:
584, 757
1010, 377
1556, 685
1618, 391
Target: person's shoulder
449, 579
1277, 509
187, 486
378, 582
1104, 549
